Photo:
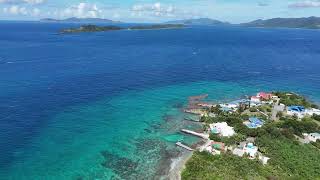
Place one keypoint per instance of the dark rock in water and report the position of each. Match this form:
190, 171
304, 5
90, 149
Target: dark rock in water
123, 167
154, 160
79, 178
145, 145
167, 118
147, 130
178, 105
155, 126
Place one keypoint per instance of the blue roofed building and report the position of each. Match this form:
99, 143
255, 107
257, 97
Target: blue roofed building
296, 110
254, 122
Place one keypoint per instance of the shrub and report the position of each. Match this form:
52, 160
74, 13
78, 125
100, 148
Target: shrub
316, 117
215, 137
304, 126
316, 144
269, 109
253, 109
288, 133
279, 114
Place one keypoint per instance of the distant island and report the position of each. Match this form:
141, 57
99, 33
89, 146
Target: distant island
199, 21
304, 22
307, 23
79, 20
95, 28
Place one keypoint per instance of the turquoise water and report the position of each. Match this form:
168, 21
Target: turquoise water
108, 105
136, 129
140, 126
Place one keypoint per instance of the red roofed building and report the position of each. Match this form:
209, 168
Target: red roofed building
264, 96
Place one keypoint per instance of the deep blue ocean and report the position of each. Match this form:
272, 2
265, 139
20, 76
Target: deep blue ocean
107, 105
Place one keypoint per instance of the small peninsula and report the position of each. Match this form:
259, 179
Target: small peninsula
270, 135
95, 28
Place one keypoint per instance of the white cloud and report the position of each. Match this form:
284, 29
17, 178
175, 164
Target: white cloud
22, 1
156, 9
82, 10
20, 10
34, 1
35, 12
15, 10
305, 4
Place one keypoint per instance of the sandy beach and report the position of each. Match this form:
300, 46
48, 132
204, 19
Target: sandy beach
178, 165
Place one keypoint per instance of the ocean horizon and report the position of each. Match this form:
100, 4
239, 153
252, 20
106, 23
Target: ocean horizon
108, 105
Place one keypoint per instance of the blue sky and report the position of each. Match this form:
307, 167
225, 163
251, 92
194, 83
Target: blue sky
234, 11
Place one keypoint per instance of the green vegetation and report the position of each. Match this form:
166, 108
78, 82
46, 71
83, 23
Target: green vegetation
316, 117
289, 159
265, 108
316, 144
216, 109
204, 166
279, 114
290, 99
228, 140
306, 125
94, 28
91, 28
253, 109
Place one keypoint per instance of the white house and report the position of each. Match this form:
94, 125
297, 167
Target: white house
238, 152
314, 137
312, 111
255, 99
222, 128
229, 106
251, 150
264, 159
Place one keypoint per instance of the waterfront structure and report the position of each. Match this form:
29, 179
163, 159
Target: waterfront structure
222, 128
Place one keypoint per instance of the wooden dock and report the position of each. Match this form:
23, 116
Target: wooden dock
194, 111
184, 146
193, 120
206, 105
201, 135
